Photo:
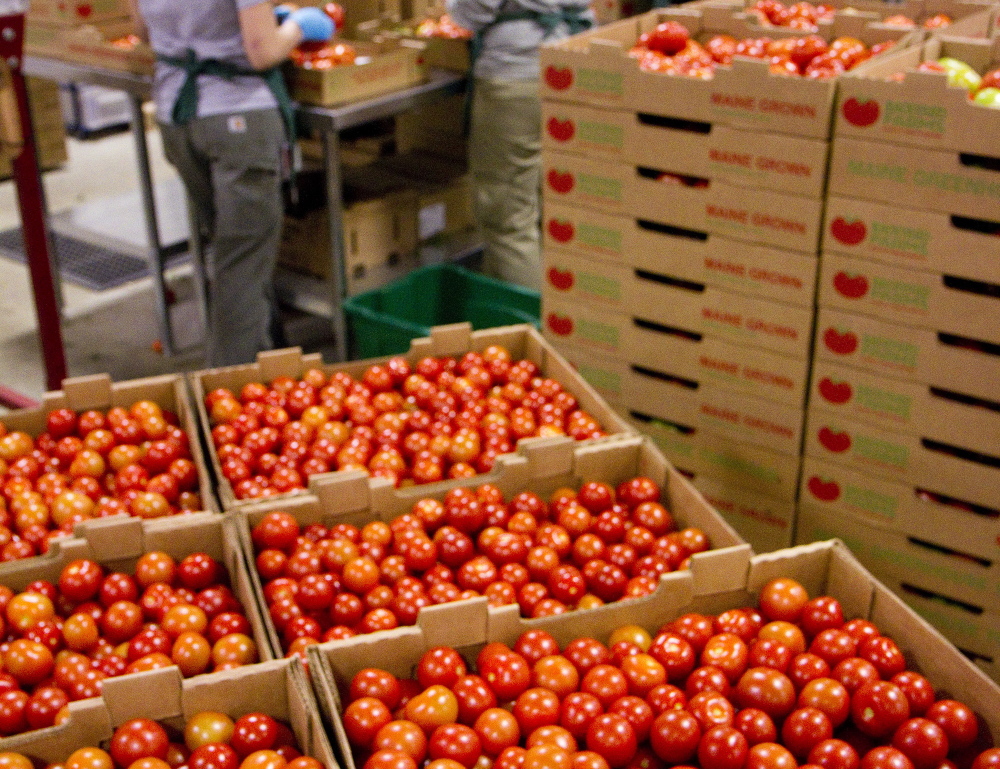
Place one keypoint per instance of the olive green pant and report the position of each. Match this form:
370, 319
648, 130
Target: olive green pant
505, 166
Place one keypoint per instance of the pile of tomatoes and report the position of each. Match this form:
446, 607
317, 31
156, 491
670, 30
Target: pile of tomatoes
62, 639
440, 418
442, 26
209, 740
581, 549
134, 461
669, 49
786, 685
333, 54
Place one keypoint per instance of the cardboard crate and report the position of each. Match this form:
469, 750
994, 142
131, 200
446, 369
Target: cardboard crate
380, 68
280, 688
98, 391
741, 157
437, 128
917, 355
711, 312
595, 68
724, 365
522, 341
742, 465
921, 509
907, 407
765, 522
78, 12
90, 44
542, 467
942, 180
921, 109
924, 299
363, 17
824, 568
717, 207
907, 237
691, 255
948, 575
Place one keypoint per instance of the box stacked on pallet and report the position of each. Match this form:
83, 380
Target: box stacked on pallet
682, 219
903, 430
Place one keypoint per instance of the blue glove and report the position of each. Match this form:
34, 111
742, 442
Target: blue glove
282, 12
314, 23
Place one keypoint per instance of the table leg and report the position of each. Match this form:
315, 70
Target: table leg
335, 209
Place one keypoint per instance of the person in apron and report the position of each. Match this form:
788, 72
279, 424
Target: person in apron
226, 122
505, 124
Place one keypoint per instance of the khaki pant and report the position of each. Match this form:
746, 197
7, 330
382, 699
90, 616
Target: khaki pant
505, 165
231, 169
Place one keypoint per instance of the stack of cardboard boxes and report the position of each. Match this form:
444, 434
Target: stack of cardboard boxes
904, 423
47, 122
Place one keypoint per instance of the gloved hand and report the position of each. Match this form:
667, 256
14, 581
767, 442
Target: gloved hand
282, 12
316, 26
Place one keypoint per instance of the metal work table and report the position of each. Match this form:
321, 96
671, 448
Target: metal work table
318, 297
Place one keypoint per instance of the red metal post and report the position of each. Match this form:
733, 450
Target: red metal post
31, 202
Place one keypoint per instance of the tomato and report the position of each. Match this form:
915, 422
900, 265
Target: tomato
675, 654
474, 696
727, 652
766, 689
88, 758
404, 736
988, 759
535, 644
918, 690
606, 682
507, 674
854, 673
213, 755
922, 741
674, 736
536, 707
834, 754
586, 653
206, 727
611, 736
821, 613
440, 665
885, 757
497, 729
878, 708
957, 720
722, 747
434, 706
783, 598
756, 725
556, 673
457, 742
884, 654
138, 738
769, 755
803, 729
827, 695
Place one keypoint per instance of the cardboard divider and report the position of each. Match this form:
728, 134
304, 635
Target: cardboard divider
521, 341
907, 237
824, 568
279, 688
542, 466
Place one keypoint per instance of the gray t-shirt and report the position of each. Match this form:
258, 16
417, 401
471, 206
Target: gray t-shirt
510, 49
211, 29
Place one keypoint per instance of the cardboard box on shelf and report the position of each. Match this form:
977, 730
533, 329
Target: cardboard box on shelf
437, 128
541, 467
382, 67
920, 109
772, 326
443, 209
279, 688
700, 257
905, 406
952, 363
595, 68
748, 214
98, 391
90, 44
907, 237
942, 180
772, 161
765, 522
824, 568
743, 465
916, 509
77, 12
521, 341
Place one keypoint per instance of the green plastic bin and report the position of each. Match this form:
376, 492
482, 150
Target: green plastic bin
383, 321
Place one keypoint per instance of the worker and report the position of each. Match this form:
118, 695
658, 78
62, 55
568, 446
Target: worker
227, 125
505, 124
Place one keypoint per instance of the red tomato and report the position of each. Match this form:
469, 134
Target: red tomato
138, 738
878, 708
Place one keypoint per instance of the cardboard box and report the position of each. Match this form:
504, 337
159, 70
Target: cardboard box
741, 157
691, 255
380, 68
444, 209
904, 406
542, 467
279, 688
919, 509
824, 568
917, 355
909, 237
766, 523
921, 109
98, 391
595, 68
90, 44
77, 12
522, 341
437, 128
917, 298
950, 575
741, 465
754, 215
452, 53
939, 180
710, 312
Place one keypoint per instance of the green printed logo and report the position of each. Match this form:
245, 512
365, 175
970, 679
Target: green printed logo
904, 239
600, 238
870, 501
599, 285
601, 333
602, 379
600, 187
881, 451
922, 118
890, 351
884, 402
600, 81
603, 134
901, 294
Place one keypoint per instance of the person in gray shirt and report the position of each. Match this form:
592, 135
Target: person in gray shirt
226, 122
505, 123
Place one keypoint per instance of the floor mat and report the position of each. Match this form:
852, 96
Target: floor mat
80, 262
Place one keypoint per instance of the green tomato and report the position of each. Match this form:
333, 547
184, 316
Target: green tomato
960, 74
988, 97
